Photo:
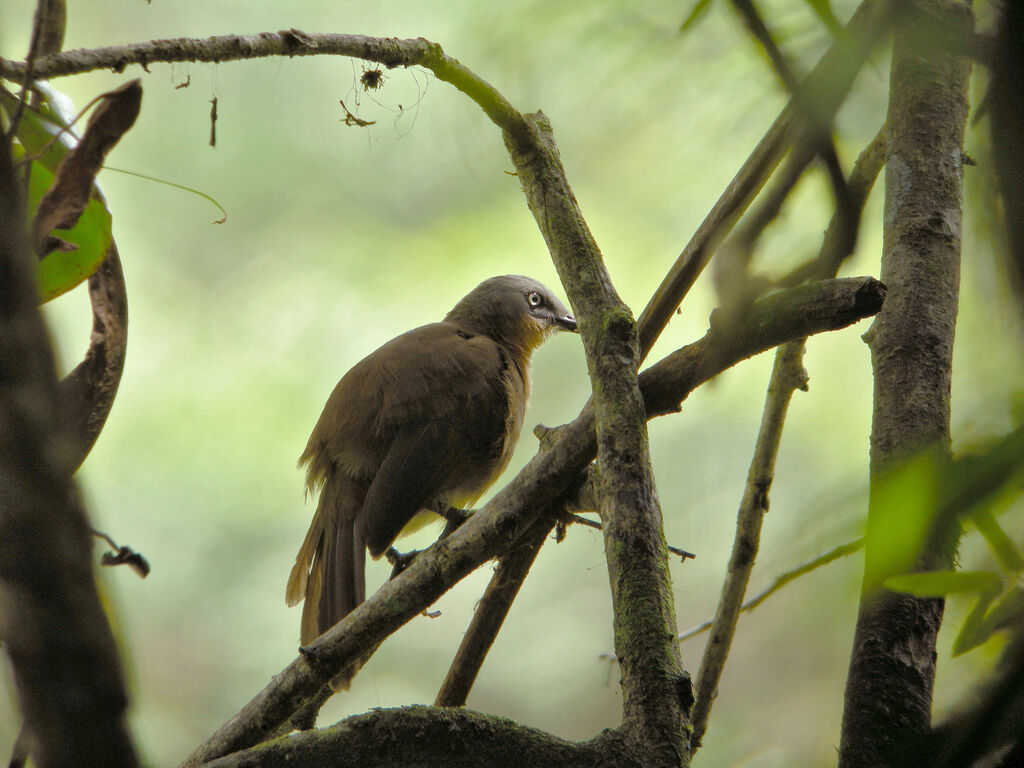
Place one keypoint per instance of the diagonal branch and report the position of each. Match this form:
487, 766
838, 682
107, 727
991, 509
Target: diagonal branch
795, 313
787, 376
490, 614
654, 713
825, 88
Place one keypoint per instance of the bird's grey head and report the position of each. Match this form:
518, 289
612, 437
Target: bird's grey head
512, 309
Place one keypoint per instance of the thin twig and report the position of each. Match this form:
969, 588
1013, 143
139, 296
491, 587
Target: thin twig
123, 556
490, 614
835, 247
825, 89
596, 525
734, 287
782, 580
39, 23
759, 29
788, 375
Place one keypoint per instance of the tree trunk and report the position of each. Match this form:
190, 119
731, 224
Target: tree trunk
892, 667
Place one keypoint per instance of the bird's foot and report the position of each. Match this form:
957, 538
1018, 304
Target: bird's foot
453, 519
399, 560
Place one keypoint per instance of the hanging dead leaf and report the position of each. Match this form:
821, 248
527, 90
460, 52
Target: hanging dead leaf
64, 202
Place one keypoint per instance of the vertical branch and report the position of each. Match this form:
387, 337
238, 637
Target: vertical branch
656, 694
892, 666
490, 614
62, 653
787, 376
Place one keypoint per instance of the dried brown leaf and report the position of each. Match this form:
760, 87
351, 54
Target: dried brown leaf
64, 202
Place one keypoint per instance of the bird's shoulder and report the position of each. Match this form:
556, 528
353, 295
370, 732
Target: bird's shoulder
429, 372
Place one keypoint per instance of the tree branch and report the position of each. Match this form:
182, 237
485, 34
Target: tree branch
653, 712
795, 313
892, 665
490, 614
425, 736
788, 375
66, 669
391, 52
825, 88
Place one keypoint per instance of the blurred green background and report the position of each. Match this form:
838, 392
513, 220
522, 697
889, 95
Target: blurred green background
339, 238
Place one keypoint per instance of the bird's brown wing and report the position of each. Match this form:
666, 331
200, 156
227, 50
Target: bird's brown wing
415, 470
432, 372
446, 421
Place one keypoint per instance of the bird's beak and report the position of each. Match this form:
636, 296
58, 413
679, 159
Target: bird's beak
566, 323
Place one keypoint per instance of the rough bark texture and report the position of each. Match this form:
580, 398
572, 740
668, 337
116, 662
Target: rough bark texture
892, 667
62, 653
655, 692
429, 736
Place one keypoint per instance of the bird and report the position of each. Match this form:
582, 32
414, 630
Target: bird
425, 423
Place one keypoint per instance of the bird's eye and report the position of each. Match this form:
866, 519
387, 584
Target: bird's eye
534, 299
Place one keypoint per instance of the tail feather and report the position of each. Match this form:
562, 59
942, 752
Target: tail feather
329, 570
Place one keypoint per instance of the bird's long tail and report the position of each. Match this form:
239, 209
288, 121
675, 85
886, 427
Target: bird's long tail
329, 570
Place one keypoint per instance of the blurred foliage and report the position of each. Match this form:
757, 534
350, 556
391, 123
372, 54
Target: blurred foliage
339, 237
922, 497
38, 147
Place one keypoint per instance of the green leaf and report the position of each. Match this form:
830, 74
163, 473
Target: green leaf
981, 625
699, 9
61, 271
941, 583
36, 131
903, 507
977, 479
1005, 550
970, 635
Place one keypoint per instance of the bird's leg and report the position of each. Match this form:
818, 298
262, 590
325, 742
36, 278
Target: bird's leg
399, 560
453, 518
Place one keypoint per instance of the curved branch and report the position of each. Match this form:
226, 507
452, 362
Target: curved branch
795, 313
87, 393
423, 736
389, 51
63, 655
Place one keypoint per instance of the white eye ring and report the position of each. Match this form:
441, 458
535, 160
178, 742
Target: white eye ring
534, 299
